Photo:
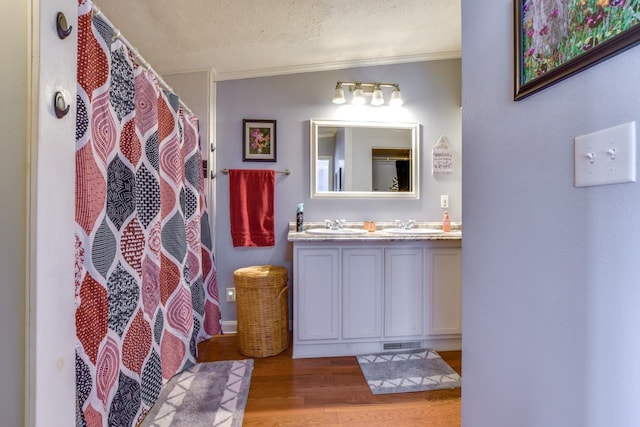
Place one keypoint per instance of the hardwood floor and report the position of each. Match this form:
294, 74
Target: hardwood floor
331, 392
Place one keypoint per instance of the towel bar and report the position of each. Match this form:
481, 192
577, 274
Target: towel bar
285, 172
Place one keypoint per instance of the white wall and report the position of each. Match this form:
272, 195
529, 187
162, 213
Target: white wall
431, 91
550, 272
13, 215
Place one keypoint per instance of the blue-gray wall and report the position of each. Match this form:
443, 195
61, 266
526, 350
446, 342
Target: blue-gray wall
551, 293
432, 94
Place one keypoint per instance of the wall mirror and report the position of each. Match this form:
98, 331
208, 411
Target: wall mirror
364, 159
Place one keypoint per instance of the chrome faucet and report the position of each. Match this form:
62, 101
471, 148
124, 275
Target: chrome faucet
407, 225
335, 224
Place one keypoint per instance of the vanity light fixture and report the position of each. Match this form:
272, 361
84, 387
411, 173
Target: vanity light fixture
357, 97
359, 90
338, 94
396, 97
377, 98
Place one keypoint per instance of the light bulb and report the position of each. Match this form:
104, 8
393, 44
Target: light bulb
396, 98
358, 96
377, 98
338, 95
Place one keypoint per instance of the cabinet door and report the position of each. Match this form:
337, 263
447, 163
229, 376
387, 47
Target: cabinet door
444, 288
361, 293
316, 293
404, 291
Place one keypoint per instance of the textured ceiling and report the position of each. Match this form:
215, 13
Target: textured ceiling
243, 38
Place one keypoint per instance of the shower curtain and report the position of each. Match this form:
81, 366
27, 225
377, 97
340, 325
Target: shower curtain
146, 290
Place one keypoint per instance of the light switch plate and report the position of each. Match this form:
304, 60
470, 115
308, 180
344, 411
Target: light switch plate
444, 201
606, 157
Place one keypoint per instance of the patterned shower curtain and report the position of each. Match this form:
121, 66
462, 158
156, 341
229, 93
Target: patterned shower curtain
146, 290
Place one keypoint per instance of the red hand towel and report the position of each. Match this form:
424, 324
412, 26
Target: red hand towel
251, 207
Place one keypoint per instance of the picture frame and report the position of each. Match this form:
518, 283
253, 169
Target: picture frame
259, 140
555, 39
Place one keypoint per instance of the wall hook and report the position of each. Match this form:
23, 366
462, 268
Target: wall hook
60, 105
64, 29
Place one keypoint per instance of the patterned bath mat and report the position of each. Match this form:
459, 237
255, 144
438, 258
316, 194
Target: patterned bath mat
411, 370
211, 394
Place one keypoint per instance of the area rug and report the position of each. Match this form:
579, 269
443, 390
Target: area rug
211, 394
410, 370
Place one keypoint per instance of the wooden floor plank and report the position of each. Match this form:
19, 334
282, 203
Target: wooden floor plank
331, 392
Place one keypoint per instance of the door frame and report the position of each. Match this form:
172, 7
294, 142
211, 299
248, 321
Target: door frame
50, 299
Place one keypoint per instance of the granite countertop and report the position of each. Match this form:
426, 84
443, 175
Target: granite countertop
379, 234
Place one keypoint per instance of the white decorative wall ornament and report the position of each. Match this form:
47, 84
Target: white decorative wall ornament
442, 158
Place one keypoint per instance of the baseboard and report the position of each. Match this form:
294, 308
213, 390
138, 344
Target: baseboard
229, 326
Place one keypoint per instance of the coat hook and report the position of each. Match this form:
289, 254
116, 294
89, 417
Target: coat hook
64, 29
60, 105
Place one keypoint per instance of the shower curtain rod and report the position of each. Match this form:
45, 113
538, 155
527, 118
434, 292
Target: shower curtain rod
117, 35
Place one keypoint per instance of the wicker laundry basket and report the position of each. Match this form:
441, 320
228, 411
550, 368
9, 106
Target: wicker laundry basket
263, 310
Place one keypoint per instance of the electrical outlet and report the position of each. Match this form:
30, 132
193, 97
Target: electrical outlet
231, 294
444, 201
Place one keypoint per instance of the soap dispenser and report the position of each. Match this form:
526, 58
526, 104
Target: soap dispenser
446, 222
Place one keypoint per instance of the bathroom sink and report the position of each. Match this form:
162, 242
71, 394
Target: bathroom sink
412, 231
338, 232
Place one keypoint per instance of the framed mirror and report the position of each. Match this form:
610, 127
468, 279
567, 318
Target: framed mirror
351, 159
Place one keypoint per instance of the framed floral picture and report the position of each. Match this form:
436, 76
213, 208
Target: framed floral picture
555, 39
259, 138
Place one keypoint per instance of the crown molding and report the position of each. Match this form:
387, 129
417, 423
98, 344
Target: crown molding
295, 69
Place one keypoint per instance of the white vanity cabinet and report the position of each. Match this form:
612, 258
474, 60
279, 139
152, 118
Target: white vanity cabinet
362, 292
404, 291
356, 297
316, 306
444, 291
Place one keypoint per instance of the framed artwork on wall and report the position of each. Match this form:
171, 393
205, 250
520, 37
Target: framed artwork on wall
555, 39
259, 140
